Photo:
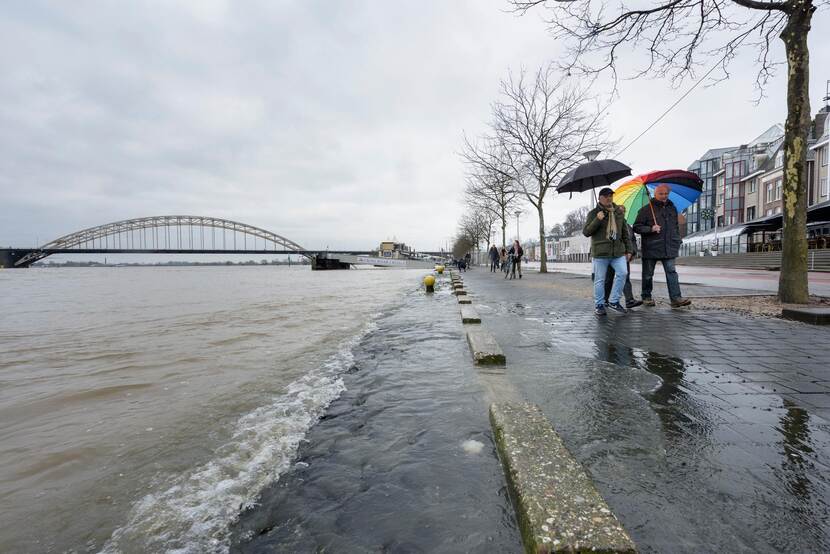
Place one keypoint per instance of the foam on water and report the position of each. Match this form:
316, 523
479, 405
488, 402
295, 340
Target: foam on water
195, 512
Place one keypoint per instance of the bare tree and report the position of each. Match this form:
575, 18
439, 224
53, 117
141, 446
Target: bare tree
575, 221
558, 231
490, 183
677, 36
545, 123
476, 226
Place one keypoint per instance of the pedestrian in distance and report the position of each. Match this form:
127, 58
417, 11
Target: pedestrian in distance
494, 258
503, 259
610, 246
659, 225
630, 301
516, 252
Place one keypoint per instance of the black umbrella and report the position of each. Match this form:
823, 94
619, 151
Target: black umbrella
598, 173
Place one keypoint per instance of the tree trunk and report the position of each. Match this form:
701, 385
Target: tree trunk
503, 228
792, 283
543, 262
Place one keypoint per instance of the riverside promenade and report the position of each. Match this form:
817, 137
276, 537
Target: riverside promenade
705, 431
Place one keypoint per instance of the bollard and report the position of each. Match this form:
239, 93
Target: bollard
440, 269
429, 283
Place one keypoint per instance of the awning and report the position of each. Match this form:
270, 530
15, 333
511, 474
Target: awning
751, 175
722, 232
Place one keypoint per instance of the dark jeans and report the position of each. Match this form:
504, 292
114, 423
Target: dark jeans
609, 282
672, 280
494, 264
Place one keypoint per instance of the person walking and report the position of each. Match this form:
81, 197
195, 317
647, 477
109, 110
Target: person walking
516, 252
659, 224
610, 246
494, 258
630, 301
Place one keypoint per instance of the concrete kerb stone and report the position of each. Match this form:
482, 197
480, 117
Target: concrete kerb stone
558, 509
460, 292
469, 315
485, 349
464, 300
814, 316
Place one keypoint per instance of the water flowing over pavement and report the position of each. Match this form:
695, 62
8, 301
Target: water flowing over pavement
704, 431
142, 407
403, 461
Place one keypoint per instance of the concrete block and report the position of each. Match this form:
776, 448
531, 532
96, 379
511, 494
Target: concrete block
460, 292
815, 316
485, 349
469, 315
557, 506
464, 300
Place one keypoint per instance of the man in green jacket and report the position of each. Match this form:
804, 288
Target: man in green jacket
610, 246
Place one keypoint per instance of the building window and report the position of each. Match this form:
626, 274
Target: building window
769, 211
769, 192
752, 186
778, 189
778, 210
822, 155
822, 189
779, 159
750, 213
720, 198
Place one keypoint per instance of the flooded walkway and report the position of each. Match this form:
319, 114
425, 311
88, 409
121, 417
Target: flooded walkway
403, 461
705, 431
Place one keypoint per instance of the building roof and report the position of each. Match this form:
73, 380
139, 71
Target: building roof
773, 134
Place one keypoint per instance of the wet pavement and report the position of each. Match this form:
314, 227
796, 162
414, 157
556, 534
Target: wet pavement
403, 461
705, 431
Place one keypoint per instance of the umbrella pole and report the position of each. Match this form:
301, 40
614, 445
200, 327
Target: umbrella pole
650, 205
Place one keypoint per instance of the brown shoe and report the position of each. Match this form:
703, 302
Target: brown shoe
648, 302
680, 301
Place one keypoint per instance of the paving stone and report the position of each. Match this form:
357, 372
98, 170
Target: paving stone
469, 315
485, 349
557, 506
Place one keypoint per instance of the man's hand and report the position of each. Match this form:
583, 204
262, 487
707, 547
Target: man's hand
656, 228
601, 215
681, 219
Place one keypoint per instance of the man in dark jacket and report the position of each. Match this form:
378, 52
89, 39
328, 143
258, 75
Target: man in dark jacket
494, 258
659, 224
630, 301
610, 246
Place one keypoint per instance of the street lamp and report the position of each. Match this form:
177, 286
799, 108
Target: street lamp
591, 155
518, 213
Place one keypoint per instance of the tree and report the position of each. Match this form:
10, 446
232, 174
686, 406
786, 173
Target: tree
575, 221
677, 34
557, 231
544, 124
490, 182
476, 226
461, 246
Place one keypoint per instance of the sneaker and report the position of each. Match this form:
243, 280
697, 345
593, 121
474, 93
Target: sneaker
648, 302
600, 310
680, 301
633, 304
617, 307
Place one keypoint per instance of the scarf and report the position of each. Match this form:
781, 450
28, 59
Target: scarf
611, 232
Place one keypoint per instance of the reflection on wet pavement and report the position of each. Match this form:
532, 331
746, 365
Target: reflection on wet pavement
697, 427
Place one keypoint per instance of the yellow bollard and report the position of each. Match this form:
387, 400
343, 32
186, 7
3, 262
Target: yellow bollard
439, 269
429, 283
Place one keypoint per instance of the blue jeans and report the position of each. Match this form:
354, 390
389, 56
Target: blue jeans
672, 280
600, 269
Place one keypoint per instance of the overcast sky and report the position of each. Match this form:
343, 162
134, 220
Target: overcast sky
330, 122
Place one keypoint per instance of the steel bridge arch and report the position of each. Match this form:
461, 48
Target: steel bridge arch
100, 232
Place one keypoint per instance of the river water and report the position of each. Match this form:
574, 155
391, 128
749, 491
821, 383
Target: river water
143, 408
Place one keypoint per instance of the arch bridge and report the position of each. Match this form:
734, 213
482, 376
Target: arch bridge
185, 234
169, 234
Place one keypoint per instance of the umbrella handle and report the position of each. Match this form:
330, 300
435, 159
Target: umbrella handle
650, 205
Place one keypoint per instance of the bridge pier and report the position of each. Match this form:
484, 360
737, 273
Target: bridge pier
8, 257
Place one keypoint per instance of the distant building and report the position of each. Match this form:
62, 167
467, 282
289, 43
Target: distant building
819, 191
395, 250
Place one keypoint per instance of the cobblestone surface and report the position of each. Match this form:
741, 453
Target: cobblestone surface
705, 430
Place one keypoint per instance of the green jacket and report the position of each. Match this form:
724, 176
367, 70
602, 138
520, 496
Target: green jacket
602, 247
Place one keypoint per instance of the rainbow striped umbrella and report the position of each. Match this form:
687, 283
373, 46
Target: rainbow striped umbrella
636, 193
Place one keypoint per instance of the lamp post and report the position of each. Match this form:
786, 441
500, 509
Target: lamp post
591, 155
518, 213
